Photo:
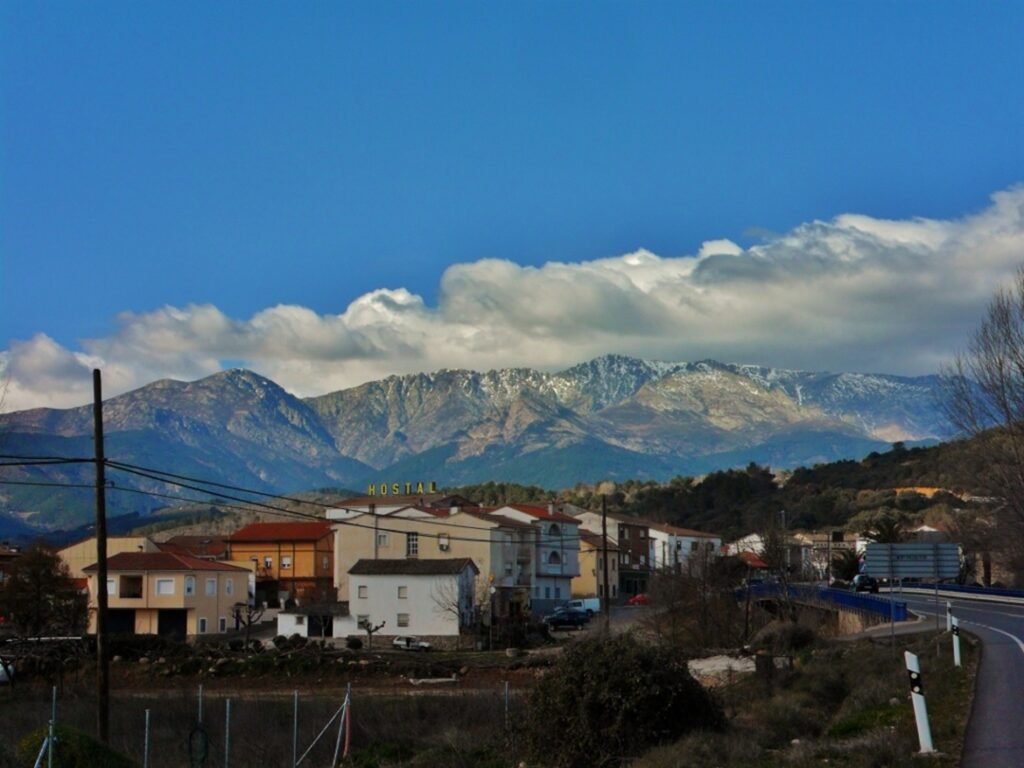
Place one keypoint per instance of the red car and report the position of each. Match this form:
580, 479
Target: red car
639, 599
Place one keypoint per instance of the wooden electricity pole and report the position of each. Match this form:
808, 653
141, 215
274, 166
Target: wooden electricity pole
604, 556
102, 656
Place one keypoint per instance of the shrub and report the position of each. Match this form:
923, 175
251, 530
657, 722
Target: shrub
353, 643
783, 638
75, 749
611, 698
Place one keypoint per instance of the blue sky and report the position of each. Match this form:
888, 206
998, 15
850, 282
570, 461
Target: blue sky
332, 192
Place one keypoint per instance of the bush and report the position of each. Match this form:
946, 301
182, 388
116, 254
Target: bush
75, 749
611, 698
353, 643
783, 638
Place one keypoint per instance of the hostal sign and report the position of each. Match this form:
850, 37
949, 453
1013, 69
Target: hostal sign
397, 489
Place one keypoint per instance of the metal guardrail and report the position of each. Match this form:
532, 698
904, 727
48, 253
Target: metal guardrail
832, 598
991, 594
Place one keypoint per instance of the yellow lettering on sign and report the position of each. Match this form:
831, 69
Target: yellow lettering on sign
419, 487
383, 489
433, 487
396, 488
371, 491
408, 488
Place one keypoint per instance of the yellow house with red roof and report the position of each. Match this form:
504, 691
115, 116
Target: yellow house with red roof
162, 593
290, 560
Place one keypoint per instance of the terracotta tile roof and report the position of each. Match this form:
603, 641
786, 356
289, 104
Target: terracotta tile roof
162, 561
412, 567
595, 541
677, 531
542, 513
282, 532
197, 546
487, 513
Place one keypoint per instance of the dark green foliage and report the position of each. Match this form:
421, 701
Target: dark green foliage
75, 749
612, 698
40, 598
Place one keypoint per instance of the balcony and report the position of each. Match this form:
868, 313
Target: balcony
524, 554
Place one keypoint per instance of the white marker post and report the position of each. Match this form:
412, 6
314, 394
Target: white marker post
956, 642
924, 731
949, 616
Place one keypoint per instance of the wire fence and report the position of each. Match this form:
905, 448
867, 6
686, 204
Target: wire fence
219, 728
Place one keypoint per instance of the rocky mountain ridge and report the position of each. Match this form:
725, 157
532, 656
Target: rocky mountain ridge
610, 418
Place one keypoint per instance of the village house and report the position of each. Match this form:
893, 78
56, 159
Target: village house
434, 599
291, 561
633, 540
502, 549
590, 582
82, 553
680, 550
556, 552
160, 593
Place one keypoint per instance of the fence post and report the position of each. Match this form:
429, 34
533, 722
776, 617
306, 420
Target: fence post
295, 729
924, 731
145, 744
200, 703
227, 733
949, 616
956, 641
53, 725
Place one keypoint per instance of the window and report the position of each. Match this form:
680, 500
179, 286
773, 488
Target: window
222, 624
412, 545
211, 587
165, 586
202, 625
382, 539
325, 562
229, 586
508, 538
111, 587
558, 592
547, 593
131, 586
709, 545
443, 542
693, 546
286, 561
508, 569
554, 530
300, 621
403, 593
615, 591
268, 562
363, 620
362, 591
403, 619
190, 585
554, 559
625, 533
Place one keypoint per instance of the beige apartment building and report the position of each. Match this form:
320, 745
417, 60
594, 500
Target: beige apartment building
502, 549
161, 593
83, 553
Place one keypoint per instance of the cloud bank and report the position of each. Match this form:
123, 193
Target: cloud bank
855, 293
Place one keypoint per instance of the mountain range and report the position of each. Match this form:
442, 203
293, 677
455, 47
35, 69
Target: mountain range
614, 417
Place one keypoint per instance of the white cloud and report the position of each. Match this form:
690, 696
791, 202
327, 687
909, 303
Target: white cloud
853, 293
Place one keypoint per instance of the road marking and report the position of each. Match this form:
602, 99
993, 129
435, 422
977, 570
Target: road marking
1017, 640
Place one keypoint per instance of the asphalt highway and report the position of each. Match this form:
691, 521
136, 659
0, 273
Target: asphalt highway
995, 738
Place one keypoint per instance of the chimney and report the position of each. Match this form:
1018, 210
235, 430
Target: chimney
551, 507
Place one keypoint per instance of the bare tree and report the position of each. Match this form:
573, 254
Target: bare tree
370, 630
247, 615
984, 398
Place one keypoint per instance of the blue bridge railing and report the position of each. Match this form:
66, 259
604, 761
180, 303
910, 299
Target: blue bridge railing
832, 598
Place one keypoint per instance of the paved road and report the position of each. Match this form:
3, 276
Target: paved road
995, 738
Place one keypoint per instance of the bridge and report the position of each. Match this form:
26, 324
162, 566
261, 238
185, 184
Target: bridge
855, 611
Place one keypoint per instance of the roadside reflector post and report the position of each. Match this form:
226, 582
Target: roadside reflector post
924, 732
949, 616
956, 641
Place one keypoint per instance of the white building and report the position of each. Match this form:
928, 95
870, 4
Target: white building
428, 598
674, 548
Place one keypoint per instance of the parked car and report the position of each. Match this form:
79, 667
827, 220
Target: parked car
589, 605
639, 599
410, 643
565, 618
862, 582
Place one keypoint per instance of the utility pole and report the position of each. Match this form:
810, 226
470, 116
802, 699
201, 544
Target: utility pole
102, 656
604, 556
